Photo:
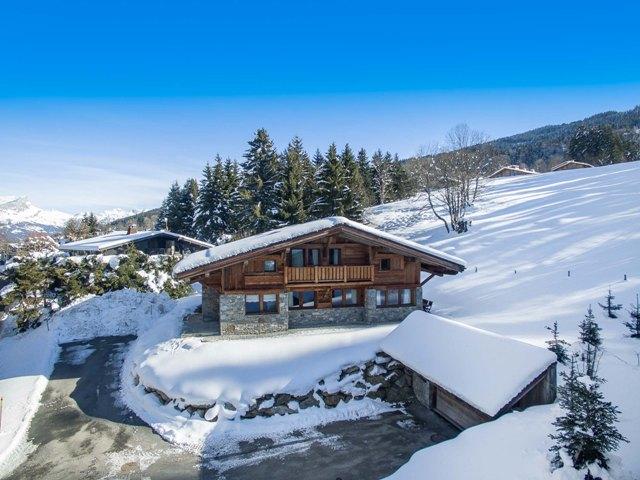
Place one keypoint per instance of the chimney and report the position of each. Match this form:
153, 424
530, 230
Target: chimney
132, 229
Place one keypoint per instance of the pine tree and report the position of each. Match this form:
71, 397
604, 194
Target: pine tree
292, 194
586, 430
231, 198
381, 176
354, 185
331, 185
609, 306
30, 282
187, 206
367, 177
261, 183
171, 214
401, 184
634, 324
558, 345
207, 222
591, 344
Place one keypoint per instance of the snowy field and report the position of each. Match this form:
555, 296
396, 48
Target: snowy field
545, 248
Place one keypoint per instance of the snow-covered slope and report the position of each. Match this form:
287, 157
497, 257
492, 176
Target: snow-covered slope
19, 217
540, 249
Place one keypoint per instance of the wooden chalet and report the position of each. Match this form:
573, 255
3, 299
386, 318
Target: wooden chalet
329, 271
571, 165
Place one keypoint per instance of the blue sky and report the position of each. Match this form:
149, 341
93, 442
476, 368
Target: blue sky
102, 104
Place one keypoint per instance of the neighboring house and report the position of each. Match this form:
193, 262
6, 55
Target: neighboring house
511, 171
469, 375
571, 165
151, 242
325, 272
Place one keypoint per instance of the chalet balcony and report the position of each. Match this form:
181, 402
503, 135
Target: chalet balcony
329, 274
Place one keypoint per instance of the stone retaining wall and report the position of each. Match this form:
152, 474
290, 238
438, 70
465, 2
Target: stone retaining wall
315, 317
380, 378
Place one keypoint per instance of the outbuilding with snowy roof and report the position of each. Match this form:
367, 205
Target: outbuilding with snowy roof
469, 375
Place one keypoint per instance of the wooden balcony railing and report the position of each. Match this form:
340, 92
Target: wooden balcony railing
329, 274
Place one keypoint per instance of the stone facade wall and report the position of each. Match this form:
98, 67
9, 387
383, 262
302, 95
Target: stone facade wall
373, 314
210, 304
325, 316
234, 320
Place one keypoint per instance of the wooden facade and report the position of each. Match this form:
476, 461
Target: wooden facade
335, 263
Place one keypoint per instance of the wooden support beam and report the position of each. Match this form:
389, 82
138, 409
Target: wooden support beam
427, 279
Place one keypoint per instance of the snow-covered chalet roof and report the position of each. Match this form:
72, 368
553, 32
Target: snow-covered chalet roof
513, 168
484, 369
291, 233
119, 238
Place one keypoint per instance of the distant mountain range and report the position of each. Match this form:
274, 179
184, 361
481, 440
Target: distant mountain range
552, 140
19, 218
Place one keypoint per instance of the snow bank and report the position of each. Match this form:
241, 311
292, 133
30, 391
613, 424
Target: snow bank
27, 359
284, 234
460, 359
240, 370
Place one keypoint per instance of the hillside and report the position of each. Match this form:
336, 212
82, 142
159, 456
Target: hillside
551, 140
540, 249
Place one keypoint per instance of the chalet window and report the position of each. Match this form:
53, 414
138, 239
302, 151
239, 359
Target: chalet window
313, 256
335, 256
251, 304
351, 296
344, 297
297, 257
269, 265
305, 299
269, 303
405, 296
393, 297
264, 303
380, 298
385, 264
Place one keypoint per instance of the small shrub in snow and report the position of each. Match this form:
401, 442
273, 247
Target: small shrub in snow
586, 431
634, 324
591, 341
609, 306
558, 345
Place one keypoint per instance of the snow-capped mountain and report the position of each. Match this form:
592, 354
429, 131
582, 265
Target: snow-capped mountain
112, 214
19, 217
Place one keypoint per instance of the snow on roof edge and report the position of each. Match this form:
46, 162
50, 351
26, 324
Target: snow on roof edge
291, 232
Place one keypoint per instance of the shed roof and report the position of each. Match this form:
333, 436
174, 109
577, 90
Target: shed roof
484, 369
119, 238
215, 256
571, 162
513, 168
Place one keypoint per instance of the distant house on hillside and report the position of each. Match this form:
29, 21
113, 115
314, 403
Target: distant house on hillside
331, 271
511, 171
571, 165
151, 242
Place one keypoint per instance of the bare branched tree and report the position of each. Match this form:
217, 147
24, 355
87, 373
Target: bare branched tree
452, 175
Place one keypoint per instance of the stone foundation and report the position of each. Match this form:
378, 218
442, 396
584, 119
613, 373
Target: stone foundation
318, 317
229, 310
234, 320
